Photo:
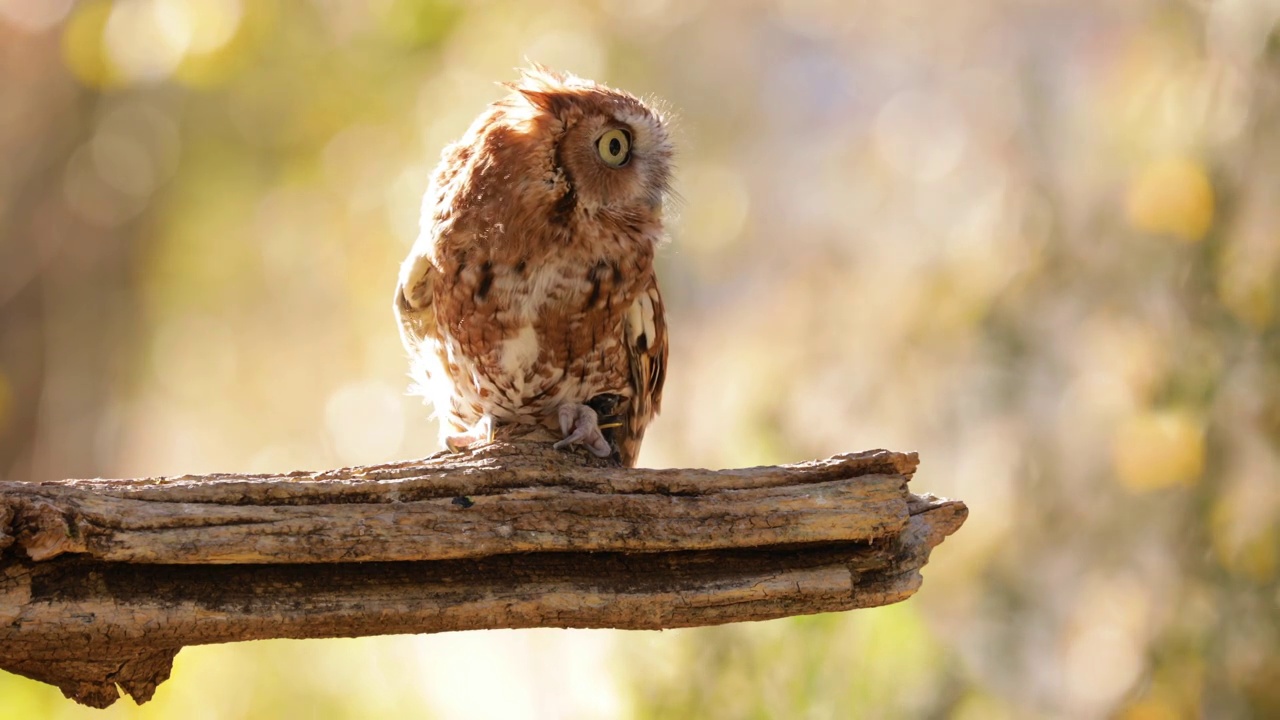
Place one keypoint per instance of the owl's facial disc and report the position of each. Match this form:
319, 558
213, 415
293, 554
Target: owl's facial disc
614, 147
615, 158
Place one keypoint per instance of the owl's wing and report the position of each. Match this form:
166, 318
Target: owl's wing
415, 306
646, 336
415, 300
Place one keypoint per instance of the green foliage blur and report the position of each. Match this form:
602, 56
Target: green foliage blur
1038, 242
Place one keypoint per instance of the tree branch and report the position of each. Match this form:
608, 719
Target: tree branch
103, 581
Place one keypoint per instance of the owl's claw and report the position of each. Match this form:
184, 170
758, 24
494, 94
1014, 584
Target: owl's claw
580, 424
482, 431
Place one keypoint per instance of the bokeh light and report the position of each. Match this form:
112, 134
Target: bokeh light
34, 16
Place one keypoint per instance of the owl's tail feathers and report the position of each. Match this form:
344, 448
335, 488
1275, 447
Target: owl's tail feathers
419, 385
434, 394
481, 432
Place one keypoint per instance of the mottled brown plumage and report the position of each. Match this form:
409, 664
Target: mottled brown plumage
530, 295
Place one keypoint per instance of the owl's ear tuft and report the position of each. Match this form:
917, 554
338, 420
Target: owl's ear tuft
545, 89
541, 77
540, 99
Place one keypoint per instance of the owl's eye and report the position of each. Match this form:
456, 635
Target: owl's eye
615, 147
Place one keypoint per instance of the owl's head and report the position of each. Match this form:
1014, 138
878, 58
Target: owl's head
604, 149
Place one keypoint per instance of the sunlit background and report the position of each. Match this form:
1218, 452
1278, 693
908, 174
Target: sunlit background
1036, 240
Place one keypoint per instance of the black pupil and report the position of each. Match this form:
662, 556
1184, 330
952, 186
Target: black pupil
615, 147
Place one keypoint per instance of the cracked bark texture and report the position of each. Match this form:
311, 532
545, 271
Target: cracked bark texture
103, 581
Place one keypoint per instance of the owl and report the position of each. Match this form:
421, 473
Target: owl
530, 296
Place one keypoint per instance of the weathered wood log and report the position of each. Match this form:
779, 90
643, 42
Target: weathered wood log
103, 581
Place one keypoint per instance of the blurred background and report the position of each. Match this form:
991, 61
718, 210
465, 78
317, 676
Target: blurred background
1036, 240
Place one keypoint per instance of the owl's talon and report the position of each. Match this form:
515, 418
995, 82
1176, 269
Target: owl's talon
580, 425
482, 431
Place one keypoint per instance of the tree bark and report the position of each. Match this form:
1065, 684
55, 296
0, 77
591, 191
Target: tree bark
103, 581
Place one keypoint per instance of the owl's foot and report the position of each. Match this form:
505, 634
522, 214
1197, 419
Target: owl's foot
482, 431
581, 425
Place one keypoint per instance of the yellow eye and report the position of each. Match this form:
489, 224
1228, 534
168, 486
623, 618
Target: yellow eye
615, 147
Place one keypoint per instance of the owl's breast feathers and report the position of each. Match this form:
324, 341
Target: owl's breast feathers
515, 335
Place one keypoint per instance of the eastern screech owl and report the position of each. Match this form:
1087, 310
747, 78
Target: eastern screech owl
530, 296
